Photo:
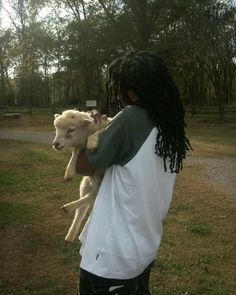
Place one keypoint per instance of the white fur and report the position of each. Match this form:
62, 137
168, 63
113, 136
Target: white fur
80, 131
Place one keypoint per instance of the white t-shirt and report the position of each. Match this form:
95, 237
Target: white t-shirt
124, 231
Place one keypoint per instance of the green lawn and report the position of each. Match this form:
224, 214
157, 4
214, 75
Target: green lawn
197, 255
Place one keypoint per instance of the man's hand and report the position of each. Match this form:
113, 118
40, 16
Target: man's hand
98, 118
83, 166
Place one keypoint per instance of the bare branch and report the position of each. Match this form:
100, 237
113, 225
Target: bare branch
12, 19
74, 9
83, 6
110, 16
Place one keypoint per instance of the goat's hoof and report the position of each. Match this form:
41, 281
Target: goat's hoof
92, 145
67, 179
64, 209
69, 239
69, 175
68, 208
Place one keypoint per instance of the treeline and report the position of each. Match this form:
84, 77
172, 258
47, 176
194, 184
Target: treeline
61, 57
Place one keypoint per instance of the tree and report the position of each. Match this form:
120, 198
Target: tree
63, 60
7, 59
220, 35
23, 15
200, 47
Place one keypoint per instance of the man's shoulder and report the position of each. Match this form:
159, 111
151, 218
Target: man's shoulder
131, 116
131, 111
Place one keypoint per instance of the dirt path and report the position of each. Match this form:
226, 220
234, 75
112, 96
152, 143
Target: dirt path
221, 172
31, 136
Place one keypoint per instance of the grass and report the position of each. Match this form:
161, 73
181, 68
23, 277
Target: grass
36, 260
197, 254
37, 122
212, 136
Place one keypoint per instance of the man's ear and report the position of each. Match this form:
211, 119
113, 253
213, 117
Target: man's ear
56, 115
132, 96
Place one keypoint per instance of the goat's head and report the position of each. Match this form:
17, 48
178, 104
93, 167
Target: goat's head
72, 129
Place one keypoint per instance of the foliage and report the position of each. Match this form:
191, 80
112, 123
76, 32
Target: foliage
64, 55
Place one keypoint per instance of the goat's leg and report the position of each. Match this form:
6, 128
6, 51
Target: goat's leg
92, 142
71, 167
87, 199
71, 207
80, 214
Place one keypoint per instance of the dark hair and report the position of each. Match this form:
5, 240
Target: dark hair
149, 78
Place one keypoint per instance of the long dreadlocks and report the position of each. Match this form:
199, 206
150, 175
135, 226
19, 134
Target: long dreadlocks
148, 77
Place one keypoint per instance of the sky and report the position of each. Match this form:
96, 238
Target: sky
6, 22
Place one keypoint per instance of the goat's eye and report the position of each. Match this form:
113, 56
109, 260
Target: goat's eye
70, 130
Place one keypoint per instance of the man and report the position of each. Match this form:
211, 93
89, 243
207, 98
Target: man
141, 151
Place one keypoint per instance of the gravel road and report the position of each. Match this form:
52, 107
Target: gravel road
32, 136
218, 171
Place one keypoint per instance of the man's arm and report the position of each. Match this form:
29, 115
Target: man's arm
83, 165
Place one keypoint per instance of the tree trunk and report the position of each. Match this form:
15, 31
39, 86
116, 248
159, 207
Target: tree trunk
3, 94
221, 102
221, 109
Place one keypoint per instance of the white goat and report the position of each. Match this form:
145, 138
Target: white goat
79, 130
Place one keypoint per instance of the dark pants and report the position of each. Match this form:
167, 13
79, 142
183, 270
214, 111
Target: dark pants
90, 284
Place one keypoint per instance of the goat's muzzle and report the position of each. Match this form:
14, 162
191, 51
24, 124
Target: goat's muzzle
56, 145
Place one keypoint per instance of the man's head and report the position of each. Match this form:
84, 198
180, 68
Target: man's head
142, 78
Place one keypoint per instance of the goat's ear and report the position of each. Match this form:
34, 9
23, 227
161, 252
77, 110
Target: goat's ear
56, 115
88, 121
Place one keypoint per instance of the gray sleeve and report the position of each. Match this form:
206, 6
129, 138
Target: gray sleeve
121, 139
111, 149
